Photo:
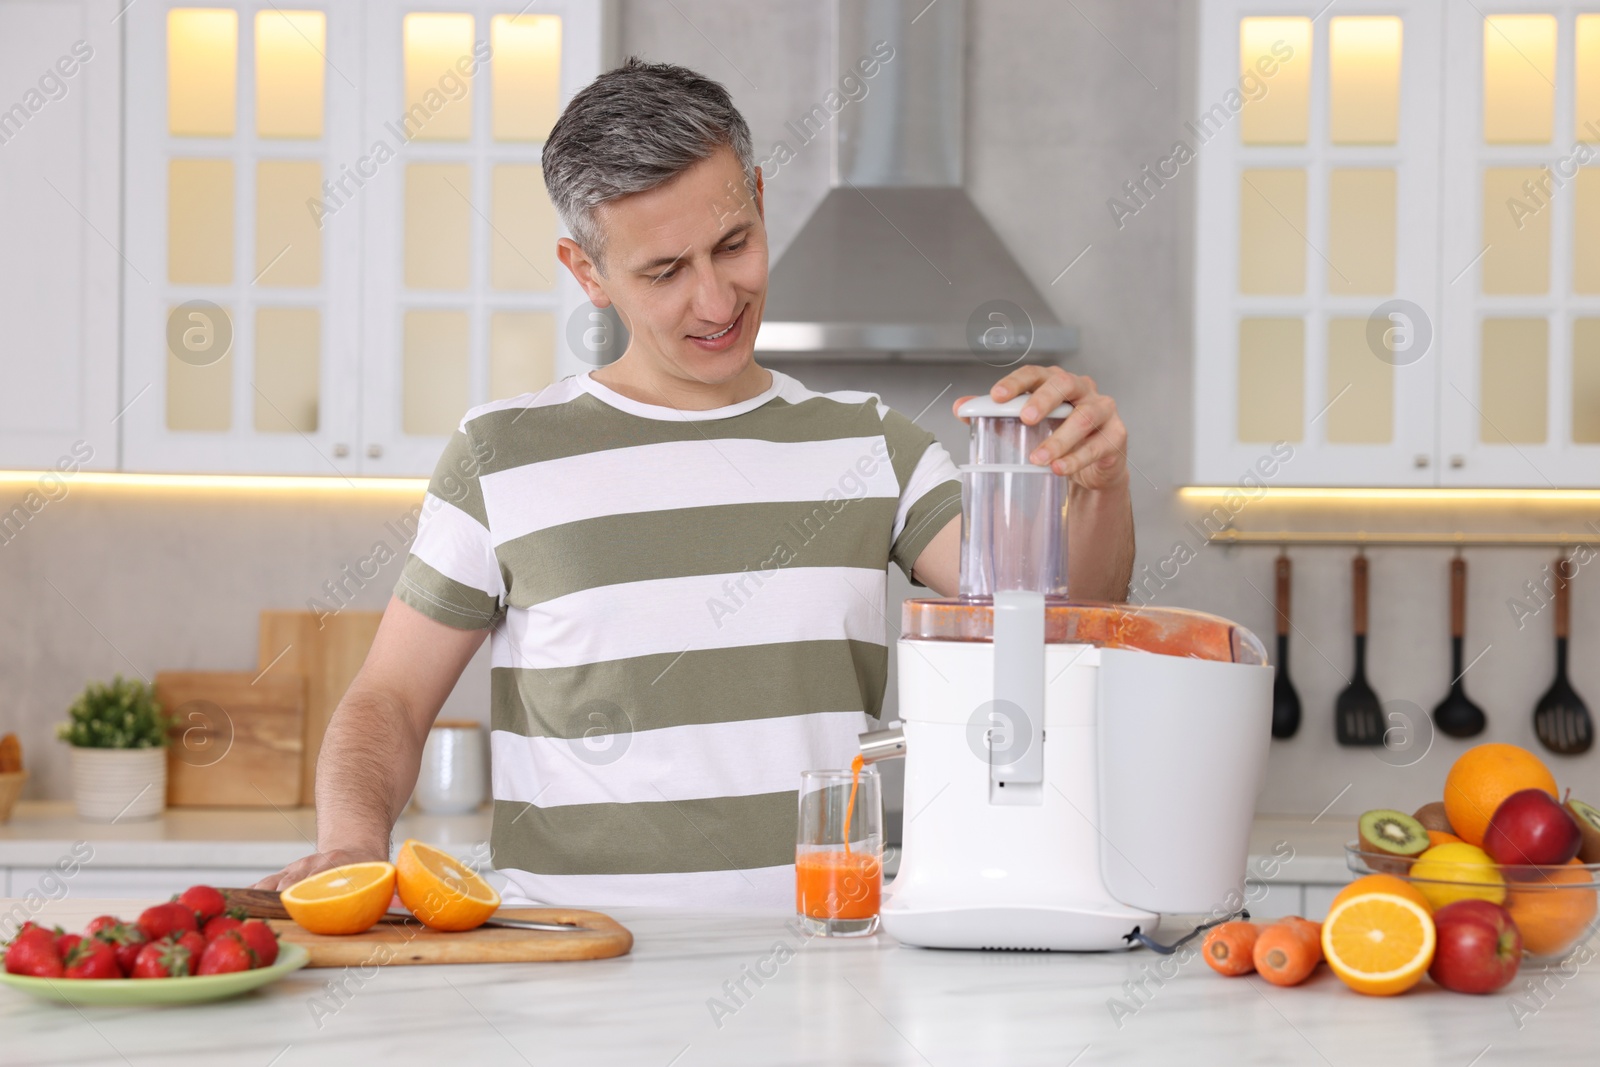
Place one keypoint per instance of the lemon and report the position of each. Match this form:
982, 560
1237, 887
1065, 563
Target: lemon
1458, 871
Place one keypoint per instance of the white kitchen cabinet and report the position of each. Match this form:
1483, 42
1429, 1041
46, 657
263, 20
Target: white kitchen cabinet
340, 224
1318, 899
60, 69
1365, 294
1274, 900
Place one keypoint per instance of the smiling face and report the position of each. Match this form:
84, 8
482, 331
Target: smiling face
686, 267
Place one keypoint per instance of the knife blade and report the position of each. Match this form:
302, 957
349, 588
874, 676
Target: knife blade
265, 904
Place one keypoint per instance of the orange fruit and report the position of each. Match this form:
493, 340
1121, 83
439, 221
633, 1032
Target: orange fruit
1484, 776
1379, 944
440, 890
343, 900
1549, 917
1458, 871
1381, 883
1439, 837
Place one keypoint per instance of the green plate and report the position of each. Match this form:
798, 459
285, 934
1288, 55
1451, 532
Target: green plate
194, 990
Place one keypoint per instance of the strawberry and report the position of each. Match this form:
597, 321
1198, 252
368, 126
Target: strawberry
206, 902
159, 920
192, 942
231, 919
33, 952
263, 941
92, 958
225, 955
127, 939
64, 943
161, 959
102, 922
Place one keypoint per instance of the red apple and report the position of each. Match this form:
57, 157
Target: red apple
1532, 828
1479, 947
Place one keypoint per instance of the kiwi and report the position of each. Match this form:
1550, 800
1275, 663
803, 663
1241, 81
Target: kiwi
1588, 820
1386, 833
1432, 817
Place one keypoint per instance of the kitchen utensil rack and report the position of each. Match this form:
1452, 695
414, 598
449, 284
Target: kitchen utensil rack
1392, 539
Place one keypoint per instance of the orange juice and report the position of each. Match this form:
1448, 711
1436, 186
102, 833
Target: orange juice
838, 885
850, 808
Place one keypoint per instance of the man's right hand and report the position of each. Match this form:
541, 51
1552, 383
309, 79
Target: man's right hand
306, 866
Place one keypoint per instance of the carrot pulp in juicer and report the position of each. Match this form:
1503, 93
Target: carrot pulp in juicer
840, 885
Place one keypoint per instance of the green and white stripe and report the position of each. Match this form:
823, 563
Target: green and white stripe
687, 612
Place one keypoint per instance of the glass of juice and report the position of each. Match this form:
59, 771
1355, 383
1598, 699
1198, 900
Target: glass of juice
838, 856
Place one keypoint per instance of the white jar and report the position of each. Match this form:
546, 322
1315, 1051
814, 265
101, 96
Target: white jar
453, 779
118, 784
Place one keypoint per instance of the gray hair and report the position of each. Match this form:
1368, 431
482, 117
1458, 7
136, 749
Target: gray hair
632, 129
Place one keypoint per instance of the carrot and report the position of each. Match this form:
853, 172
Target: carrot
1288, 951
1228, 948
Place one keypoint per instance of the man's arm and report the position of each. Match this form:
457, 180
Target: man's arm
1099, 543
373, 747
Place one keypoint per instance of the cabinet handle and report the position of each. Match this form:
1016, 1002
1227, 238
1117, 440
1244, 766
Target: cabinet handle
1458, 461
341, 450
374, 451
1420, 461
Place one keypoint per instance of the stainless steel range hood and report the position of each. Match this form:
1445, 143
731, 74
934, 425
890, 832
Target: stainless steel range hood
897, 262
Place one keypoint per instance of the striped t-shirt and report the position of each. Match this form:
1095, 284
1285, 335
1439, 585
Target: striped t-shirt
687, 611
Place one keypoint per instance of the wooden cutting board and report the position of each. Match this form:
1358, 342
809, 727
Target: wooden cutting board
238, 740
390, 943
328, 652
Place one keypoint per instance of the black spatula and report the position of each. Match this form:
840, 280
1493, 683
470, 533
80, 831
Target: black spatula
1561, 720
1456, 715
1357, 714
1285, 701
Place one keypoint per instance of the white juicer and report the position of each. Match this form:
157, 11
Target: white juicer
1073, 769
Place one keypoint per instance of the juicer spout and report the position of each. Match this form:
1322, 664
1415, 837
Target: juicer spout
879, 745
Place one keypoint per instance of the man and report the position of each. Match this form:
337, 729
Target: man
681, 556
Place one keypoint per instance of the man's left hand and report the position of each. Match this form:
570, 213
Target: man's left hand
1090, 446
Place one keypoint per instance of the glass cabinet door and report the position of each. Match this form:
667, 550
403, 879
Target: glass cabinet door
338, 238
241, 299
1520, 388
1316, 150
466, 301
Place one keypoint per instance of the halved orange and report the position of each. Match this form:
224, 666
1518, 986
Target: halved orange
1379, 944
442, 891
342, 900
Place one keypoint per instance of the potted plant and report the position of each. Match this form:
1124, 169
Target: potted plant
118, 735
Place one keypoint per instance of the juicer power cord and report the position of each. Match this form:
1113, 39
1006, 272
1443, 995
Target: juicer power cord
1166, 950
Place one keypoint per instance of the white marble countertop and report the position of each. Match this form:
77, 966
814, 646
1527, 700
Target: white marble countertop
868, 1001
41, 832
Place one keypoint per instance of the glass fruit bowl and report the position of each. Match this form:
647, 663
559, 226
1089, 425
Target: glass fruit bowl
1554, 908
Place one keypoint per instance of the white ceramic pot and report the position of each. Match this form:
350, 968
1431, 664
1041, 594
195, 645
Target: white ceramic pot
453, 778
119, 783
